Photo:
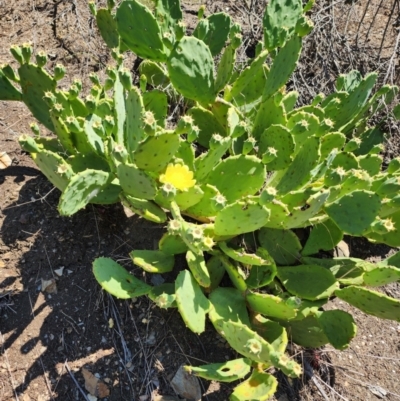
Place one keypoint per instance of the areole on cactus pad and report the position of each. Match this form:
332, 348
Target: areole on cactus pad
232, 177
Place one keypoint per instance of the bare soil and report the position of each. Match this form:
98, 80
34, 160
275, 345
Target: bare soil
134, 347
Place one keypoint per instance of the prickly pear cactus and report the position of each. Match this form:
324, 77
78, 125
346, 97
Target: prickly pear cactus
249, 186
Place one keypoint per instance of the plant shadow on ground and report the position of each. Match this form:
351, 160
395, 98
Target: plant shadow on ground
72, 327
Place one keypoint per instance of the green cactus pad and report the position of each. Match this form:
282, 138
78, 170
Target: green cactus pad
260, 276
189, 198
271, 331
393, 260
302, 125
82, 188
136, 182
48, 163
283, 245
238, 176
324, 236
214, 31
279, 22
240, 255
156, 152
348, 271
172, 244
283, 66
156, 101
241, 217
216, 271
300, 216
345, 160
116, 280
192, 304
153, 261
289, 100
306, 332
371, 302
147, 209
91, 137
339, 327
225, 68
134, 133
310, 282
34, 82
249, 85
206, 162
281, 139
107, 27
191, 69
119, 111
197, 266
7, 89
108, 194
207, 123
154, 72
227, 304
204, 209
300, 170
330, 141
168, 13
223, 372
271, 306
140, 31
381, 276
271, 111
372, 164
354, 213
163, 295
259, 386
235, 273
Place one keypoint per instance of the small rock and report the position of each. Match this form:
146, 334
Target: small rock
186, 385
341, 250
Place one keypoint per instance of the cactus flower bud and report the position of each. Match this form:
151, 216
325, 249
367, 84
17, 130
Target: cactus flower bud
109, 124
218, 202
59, 72
49, 98
28, 144
94, 78
93, 8
253, 346
239, 129
200, 13
17, 53
304, 26
168, 191
35, 128
383, 226
180, 30
98, 128
111, 72
90, 103
267, 195
174, 227
73, 125
236, 41
95, 91
352, 145
125, 78
270, 155
26, 50
41, 58
168, 40
73, 92
143, 83
394, 165
78, 83
120, 153
57, 109
108, 84
215, 141
149, 123
248, 145
193, 134
9, 72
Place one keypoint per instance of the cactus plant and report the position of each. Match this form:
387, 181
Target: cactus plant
234, 178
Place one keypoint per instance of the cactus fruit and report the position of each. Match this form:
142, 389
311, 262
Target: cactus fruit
116, 280
192, 304
223, 372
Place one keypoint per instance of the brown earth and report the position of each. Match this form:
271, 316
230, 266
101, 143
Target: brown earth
134, 347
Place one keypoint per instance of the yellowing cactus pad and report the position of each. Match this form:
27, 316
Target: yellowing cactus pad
179, 176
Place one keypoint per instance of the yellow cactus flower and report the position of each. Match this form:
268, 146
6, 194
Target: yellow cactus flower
179, 176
